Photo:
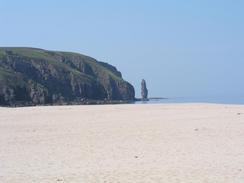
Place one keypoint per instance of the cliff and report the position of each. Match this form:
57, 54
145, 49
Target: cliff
30, 76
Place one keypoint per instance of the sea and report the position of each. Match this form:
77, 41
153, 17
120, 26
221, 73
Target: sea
214, 100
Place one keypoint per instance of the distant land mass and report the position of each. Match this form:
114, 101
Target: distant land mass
32, 76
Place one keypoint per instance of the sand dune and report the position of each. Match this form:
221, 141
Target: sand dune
170, 143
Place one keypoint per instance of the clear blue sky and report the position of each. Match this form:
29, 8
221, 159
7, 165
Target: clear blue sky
181, 47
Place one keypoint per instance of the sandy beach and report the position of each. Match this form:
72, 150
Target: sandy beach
160, 143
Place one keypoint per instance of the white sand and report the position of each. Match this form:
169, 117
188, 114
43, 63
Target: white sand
171, 143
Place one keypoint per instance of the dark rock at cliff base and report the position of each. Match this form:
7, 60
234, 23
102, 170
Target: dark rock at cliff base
30, 76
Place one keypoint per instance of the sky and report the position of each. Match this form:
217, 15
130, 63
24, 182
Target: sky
182, 48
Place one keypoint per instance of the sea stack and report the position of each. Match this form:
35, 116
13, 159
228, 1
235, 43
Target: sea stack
144, 91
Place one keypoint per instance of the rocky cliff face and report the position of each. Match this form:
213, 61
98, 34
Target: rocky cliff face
30, 76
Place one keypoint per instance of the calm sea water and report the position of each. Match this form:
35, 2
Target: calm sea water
218, 100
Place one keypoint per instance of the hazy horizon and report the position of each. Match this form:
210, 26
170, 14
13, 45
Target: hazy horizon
181, 48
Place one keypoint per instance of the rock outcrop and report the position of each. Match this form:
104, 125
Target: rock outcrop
144, 91
30, 76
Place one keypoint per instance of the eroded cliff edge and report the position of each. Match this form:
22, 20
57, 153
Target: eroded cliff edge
30, 76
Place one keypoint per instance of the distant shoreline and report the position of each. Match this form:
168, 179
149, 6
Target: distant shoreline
150, 98
85, 102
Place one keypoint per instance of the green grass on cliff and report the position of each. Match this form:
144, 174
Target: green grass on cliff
34, 53
54, 58
92, 62
2, 52
30, 52
40, 54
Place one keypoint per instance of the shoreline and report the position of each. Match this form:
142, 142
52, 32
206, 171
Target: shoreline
146, 103
85, 102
